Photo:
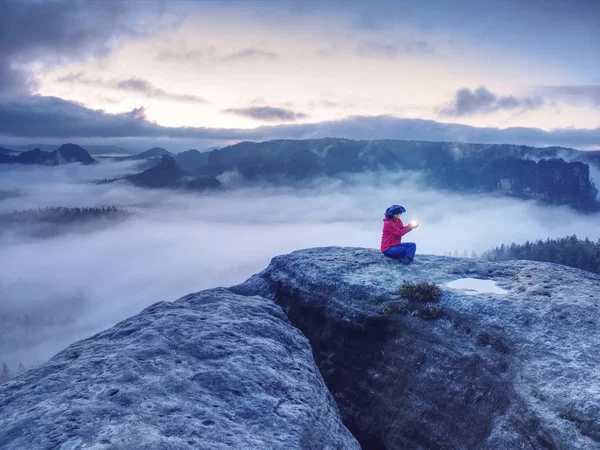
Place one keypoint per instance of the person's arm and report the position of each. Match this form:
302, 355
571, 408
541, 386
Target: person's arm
403, 229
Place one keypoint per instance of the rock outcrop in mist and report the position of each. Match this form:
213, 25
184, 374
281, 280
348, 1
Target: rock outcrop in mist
229, 368
519, 171
168, 174
67, 153
154, 154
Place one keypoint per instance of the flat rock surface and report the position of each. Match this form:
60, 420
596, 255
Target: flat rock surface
519, 370
212, 371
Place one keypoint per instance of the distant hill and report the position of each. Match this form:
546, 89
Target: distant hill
168, 174
67, 153
5, 150
155, 152
107, 150
152, 156
553, 175
192, 159
91, 149
165, 174
74, 153
27, 147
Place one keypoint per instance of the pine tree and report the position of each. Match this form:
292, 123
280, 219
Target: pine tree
570, 251
21, 369
5, 374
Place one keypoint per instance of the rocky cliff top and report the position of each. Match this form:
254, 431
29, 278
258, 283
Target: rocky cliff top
514, 370
232, 368
213, 370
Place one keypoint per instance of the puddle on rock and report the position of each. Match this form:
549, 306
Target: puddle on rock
474, 286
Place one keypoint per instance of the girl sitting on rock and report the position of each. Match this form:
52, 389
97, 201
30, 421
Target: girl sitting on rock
391, 238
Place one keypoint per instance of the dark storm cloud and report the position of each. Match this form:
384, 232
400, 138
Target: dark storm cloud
51, 32
14, 81
51, 117
482, 101
267, 113
575, 94
137, 85
38, 116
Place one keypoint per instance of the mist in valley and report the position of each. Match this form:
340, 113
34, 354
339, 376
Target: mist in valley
68, 285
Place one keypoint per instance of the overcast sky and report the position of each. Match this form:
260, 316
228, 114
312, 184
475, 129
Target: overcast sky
186, 73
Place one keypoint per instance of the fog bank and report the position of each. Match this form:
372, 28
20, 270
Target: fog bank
56, 290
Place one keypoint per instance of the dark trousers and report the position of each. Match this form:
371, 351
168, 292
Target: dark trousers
406, 249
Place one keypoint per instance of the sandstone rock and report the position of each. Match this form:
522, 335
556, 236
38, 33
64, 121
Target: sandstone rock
213, 370
514, 371
225, 368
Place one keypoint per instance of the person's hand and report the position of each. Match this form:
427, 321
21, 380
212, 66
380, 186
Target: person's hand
414, 224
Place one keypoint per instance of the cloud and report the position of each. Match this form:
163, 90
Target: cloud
330, 104
482, 101
267, 113
14, 82
149, 90
574, 94
210, 56
396, 50
80, 79
52, 117
137, 85
38, 116
180, 52
58, 284
252, 54
54, 32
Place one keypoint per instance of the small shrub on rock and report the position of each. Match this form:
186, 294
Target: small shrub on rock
397, 307
430, 311
421, 292
386, 309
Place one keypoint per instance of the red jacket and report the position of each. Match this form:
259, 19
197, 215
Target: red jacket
393, 230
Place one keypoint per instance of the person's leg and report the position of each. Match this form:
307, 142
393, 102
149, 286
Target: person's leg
411, 249
395, 252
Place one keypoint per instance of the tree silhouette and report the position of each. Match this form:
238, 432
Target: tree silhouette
569, 251
5, 374
61, 215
